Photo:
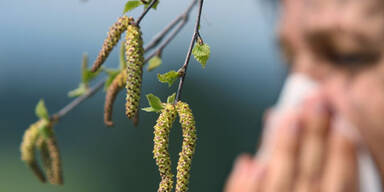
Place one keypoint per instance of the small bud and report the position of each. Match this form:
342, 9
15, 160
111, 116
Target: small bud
181, 72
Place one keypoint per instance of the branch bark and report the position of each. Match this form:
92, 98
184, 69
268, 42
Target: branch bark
161, 47
158, 37
184, 68
77, 101
155, 42
145, 12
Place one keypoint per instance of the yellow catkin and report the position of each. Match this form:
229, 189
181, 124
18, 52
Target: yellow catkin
56, 176
160, 149
27, 148
135, 60
45, 158
113, 37
50, 157
117, 84
189, 143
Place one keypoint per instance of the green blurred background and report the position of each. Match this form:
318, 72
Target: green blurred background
42, 42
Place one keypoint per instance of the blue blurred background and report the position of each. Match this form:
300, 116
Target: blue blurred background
42, 43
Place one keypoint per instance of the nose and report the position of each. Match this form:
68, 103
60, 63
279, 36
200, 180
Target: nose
305, 63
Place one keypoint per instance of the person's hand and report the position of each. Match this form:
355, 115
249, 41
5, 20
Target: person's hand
306, 156
360, 99
246, 175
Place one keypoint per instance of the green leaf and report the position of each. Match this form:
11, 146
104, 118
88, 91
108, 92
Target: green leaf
169, 77
83, 88
148, 109
154, 102
154, 62
171, 98
41, 111
130, 5
44, 129
84, 67
112, 73
88, 75
201, 53
154, 6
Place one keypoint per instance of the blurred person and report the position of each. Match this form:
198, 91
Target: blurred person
333, 105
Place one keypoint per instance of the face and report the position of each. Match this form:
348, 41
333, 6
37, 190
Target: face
292, 41
340, 43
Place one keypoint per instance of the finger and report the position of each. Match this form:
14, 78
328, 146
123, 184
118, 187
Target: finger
258, 175
237, 172
239, 179
267, 115
281, 170
341, 171
314, 140
268, 133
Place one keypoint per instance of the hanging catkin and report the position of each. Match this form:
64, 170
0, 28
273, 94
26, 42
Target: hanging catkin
117, 84
113, 37
160, 149
44, 154
27, 148
135, 60
56, 176
50, 157
189, 142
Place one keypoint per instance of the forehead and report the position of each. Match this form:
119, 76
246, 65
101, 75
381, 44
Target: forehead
291, 19
347, 13
344, 14
344, 19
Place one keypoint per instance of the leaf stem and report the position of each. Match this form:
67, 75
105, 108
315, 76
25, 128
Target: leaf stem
77, 101
145, 12
188, 57
161, 47
158, 37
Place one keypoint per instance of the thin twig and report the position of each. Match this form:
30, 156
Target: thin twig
188, 57
145, 12
158, 37
77, 101
184, 16
161, 47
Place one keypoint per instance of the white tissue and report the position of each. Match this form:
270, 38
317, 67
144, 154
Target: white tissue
296, 88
